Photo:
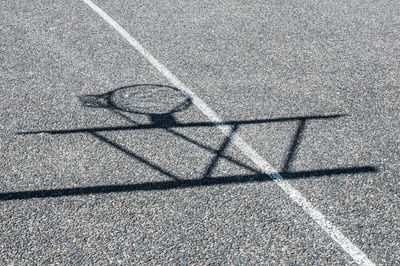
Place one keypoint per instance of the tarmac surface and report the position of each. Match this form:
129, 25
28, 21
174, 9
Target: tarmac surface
104, 161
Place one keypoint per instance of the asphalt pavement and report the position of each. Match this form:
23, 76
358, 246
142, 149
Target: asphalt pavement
104, 160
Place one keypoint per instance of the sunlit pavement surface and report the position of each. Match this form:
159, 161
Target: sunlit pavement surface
104, 161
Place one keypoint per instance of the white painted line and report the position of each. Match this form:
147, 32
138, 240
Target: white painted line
358, 256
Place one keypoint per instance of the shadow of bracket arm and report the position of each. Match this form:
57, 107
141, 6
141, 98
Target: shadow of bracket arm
131, 154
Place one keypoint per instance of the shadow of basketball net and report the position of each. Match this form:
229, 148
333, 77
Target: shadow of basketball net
160, 103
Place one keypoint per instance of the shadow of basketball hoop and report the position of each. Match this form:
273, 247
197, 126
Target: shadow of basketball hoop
158, 102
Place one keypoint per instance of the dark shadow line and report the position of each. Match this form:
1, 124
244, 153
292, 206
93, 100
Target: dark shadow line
329, 172
220, 152
208, 148
294, 145
138, 158
178, 124
176, 184
205, 147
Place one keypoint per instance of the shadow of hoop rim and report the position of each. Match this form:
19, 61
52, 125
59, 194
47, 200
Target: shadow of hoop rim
107, 100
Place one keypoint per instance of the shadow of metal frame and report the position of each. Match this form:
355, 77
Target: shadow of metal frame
168, 123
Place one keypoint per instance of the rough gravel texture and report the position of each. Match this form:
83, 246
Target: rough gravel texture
313, 86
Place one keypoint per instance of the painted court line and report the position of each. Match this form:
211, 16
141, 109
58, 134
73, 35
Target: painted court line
358, 256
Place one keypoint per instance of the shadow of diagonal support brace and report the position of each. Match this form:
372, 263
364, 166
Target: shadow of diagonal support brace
294, 145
